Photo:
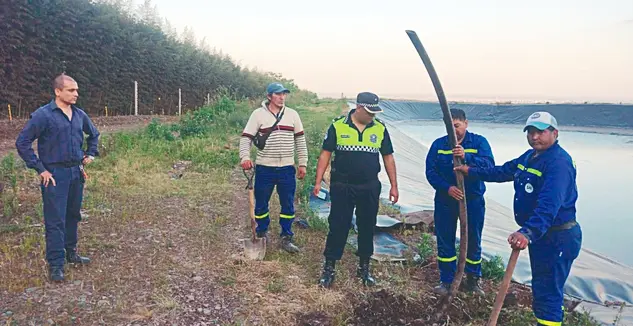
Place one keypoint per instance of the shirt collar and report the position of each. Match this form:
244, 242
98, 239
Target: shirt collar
349, 121
53, 105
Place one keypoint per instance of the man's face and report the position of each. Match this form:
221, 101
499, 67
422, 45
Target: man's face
278, 99
541, 140
364, 116
460, 128
69, 93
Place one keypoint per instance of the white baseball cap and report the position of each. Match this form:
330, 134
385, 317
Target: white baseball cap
541, 121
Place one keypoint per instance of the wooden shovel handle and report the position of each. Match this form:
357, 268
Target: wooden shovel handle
503, 289
251, 202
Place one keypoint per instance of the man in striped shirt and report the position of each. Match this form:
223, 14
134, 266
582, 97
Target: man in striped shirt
275, 160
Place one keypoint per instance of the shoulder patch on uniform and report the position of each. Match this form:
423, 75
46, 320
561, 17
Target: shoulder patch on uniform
339, 118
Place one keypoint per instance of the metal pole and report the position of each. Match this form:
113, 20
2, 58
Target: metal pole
179, 102
135, 97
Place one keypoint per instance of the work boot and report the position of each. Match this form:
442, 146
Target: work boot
328, 275
363, 272
442, 289
262, 234
287, 245
473, 285
73, 257
56, 273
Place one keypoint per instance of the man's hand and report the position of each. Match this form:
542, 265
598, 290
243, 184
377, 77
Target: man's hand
394, 194
518, 240
458, 151
302, 172
87, 160
455, 193
46, 178
247, 165
317, 189
463, 169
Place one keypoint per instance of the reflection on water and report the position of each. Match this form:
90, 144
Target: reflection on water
604, 178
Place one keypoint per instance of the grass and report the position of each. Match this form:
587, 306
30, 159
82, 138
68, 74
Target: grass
164, 207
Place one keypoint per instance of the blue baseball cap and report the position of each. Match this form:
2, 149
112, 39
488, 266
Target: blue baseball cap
276, 88
541, 121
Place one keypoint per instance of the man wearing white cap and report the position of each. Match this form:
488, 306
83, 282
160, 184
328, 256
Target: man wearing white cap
545, 208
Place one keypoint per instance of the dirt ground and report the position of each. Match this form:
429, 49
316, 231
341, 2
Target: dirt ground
164, 258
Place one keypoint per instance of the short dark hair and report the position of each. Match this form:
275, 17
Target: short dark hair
458, 114
58, 82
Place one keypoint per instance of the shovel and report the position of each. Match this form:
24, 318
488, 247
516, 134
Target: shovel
254, 247
503, 289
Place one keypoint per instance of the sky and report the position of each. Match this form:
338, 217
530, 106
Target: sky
482, 50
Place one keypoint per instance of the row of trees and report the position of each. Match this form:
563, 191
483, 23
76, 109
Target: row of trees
106, 45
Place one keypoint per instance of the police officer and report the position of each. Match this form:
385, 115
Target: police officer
475, 151
545, 208
59, 128
357, 140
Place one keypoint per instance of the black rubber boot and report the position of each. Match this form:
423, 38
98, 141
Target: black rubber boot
363, 272
73, 257
473, 285
328, 275
442, 289
56, 273
287, 245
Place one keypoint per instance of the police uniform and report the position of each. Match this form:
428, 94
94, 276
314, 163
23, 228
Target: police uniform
441, 176
545, 208
354, 184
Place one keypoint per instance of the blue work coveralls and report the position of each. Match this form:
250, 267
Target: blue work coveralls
440, 174
545, 208
59, 147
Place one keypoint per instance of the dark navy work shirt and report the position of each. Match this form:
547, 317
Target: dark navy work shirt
439, 165
545, 191
59, 140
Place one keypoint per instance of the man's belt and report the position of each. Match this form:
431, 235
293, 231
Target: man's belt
63, 164
564, 226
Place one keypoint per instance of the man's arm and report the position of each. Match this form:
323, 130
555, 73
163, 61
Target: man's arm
249, 132
386, 149
558, 180
324, 160
390, 167
24, 143
503, 173
329, 146
300, 142
93, 137
483, 158
432, 176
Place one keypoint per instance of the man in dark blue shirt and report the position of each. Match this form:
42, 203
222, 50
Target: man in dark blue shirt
59, 128
545, 195
475, 151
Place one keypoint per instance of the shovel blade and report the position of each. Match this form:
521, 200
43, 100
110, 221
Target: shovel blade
254, 249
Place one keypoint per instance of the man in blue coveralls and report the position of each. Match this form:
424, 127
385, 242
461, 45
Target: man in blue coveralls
59, 128
545, 208
475, 151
